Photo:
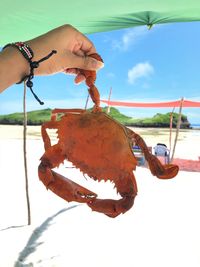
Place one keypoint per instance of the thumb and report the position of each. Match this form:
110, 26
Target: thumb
87, 63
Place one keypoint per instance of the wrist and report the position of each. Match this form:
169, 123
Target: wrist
13, 67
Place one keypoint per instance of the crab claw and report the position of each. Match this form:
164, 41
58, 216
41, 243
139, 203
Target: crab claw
170, 171
69, 190
166, 171
65, 188
111, 207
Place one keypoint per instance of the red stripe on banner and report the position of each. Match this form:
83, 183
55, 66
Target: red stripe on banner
173, 104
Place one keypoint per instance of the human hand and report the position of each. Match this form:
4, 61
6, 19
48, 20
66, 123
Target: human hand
73, 50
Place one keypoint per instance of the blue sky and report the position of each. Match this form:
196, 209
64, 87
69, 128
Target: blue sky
141, 65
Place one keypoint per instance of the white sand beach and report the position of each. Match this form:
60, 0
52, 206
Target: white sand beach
162, 228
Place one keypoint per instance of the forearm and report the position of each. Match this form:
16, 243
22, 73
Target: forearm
13, 67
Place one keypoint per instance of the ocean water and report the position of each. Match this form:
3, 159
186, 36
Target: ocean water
195, 126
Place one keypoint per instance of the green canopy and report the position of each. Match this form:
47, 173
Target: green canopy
22, 19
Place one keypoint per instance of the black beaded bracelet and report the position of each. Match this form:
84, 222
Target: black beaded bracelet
28, 54
26, 51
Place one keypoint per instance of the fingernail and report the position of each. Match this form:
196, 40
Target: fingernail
97, 64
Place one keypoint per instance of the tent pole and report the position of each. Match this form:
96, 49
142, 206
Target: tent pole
25, 158
170, 131
86, 103
108, 108
177, 128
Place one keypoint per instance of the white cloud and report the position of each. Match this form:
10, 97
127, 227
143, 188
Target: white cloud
140, 70
130, 37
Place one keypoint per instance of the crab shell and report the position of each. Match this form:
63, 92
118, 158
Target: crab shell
97, 145
100, 148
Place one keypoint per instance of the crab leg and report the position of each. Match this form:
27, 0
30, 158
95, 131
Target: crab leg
53, 124
65, 110
127, 188
61, 186
45, 136
166, 171
90, 78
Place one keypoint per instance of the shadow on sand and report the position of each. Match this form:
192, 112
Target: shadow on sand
33, 242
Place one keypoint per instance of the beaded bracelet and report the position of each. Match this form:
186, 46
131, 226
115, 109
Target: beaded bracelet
26, 51
28, 54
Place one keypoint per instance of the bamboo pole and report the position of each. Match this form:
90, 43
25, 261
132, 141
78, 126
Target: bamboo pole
177, 128
86, 103
108, 108
170, 129
25, 157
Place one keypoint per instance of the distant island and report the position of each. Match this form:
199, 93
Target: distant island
37, 117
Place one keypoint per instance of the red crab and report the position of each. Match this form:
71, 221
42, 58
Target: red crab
100, 147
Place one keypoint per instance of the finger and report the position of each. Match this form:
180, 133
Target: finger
72, 71
87, 63
87, 46
77, 50
80, 53
79, 79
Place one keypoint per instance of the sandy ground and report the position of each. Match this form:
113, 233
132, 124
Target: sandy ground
162, 229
